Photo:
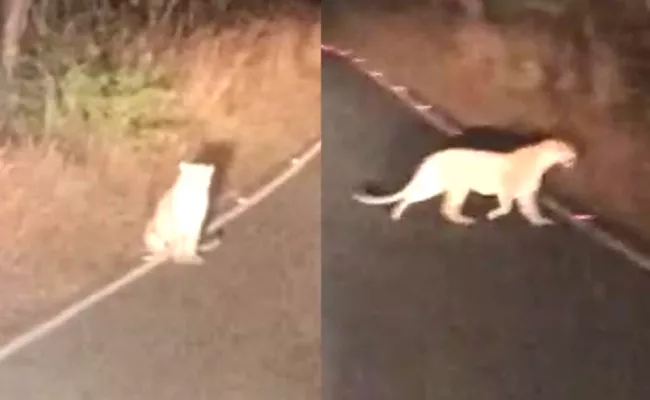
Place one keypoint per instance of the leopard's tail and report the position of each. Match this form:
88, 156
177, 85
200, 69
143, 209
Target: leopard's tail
387, 199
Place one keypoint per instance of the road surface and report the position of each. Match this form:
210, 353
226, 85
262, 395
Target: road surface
423, 310
245, 326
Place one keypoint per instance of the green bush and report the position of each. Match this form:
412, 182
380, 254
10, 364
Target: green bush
73, 91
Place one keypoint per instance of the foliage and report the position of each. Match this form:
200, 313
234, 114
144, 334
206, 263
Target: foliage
72, 89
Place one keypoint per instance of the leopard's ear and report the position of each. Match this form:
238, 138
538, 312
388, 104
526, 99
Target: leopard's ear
183, 166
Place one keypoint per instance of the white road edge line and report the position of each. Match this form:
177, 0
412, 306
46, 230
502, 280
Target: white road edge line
40, 330
585, 225
598, 234
295, 165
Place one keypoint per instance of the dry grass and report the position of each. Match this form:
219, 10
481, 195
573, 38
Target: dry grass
527, 77
77, 197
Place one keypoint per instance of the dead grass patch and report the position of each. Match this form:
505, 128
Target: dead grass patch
77, 196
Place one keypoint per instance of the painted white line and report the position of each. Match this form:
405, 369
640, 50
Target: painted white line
267, 189
70, 312
583, 217
401, 92
209, 246
598, 234
583, 222
44, 328
342, 52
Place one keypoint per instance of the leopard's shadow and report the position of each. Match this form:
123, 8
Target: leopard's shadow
221, 154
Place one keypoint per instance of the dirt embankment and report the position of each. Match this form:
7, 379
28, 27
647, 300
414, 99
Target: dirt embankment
527, 74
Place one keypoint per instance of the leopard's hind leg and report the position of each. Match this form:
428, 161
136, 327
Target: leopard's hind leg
452, 206
505, 206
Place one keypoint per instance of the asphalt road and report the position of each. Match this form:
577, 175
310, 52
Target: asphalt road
245, 326
421, 309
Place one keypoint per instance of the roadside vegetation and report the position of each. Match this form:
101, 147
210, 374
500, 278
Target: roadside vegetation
106, 98
577, 70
